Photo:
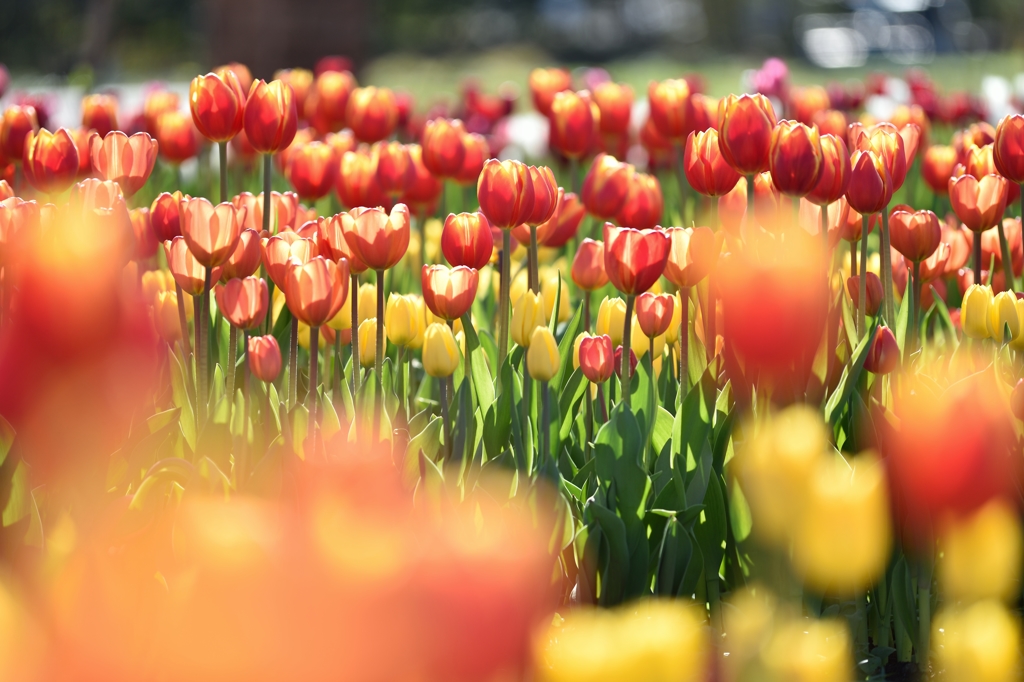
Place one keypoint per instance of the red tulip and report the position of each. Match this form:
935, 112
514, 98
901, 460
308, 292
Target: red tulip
50, 160
146, 243
654, 313
545, 84
606, 186
644, 204
807, 102
634, 259
615, 102
574, 125
830, 122
264, 357
745, 126
979, 203
17, 123
692, 255
177, 137
671, 108
661, 154
557, 230
241, 72
243, 302
392, 167
448, 293
303, 136
422, 188
376, 238
617, 364
874, 292
887, 143
316, 290
188, 272
477, 151
128, 161
937, 167
327, 102
466, 240
301, 82
372, 113
217, 105
313, 170
505, 193
884, 355
795, 158
870, 183
835, 172
281, 250
211, 232
157, 103
1008, 148
596, 358
99, 113
270, 117
444, 149
705, 167
245, 259
357, 180
588, 266
916, 235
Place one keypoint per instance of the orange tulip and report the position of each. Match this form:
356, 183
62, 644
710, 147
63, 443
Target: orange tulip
217, 105
392, 167
376, 238
745, 132
372, 113
303, 136
281, 250
502, 193
211, 232
541, 186
357, 180
574, 126
661, 153
606, 186
870, 186
422, 188
466, 240
448, 293
795, 158
328, 101
911, 134
654, 313
313, 170
615, 102
245, 259
557, 230
188, 272
146, 243
284, 208
157, 103
17, 217
241, 72
916, 235
80, 136
978, 161
835, 172
671, 108
270, 117
177, 137
831, 122
128, 161
444, 149
50, 160
874, 292
17, 123
588, 266
331, 243
264, 357
837, 216
644, 204
316, 291
978, 203
244, 302
99, 113
634, 259
886, 142
596, 358
300, 81
692, 255
545, 84
937, 167
806, 102
915, 114
477, 151
705, 167
1008, 148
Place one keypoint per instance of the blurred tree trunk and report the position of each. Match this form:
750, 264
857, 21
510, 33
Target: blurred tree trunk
98, 25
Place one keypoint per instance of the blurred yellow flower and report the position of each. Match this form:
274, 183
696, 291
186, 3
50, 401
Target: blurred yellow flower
440, 353
981, 555
980, 643
402, 319
367, 302
542, 359
1002, 316
368, 342
611, 318
809, 651
974, 311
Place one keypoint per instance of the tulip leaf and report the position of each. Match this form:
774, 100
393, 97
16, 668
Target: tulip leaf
694, 569
7, 435
674, 555
848, 381
848, 322
943, 312
565, 347
498, 418
713, 527
299, 417
617, 452
187, 418
329, 422
904, 606
569, 401
424, 444
617, 570
17, 505
902, 323
739, 513
662, 432
155, 423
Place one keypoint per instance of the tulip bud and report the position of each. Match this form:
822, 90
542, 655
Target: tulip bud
270, 116
563, 223
874, 292
545, 84
421, 189
99, 113
377, 238
328, 100
542, 360
641, 342
477, 152
217, 105
402, 320
176, 135
979, 643
1002, 314
745, 130
16, 124
1008, 148
466, 240
588, 266
692, 255
50, 160
312, 170
634, 259
444, 150
188, 272
644, 203
617, 362
372, 113
316, 291
937, 167
440, 352
981, 555
705, 167
573, 125
795, 158
979, 203
264, 357
165, 215
615, 102
611, 317
606, 186
128, 161
165, 316
671, 107
654, 313
870, 183
835, 172
595, 358
527, 315
368, 342
916, 235
211, 232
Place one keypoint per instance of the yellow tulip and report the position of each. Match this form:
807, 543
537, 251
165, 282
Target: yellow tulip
842, 539
519, 285
343, 320
974, 311
440, 352
809, 651
549, 287
402, 320
1002, 314
611, 317
980, 643
542, 359
368, 342
748, 620
424, 318
672, 333
527, 315
165, 316
367, 302
981, 555
155, 281
1017, 343
640, 344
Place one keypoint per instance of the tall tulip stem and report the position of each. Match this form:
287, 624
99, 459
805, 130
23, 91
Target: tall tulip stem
534, 275
204, 349
586, 311
545, 422
1004, 248
916, 299
467, 323
588, 423
684, 340
223, 149
445, 419
293, 363
379, 361
353, 292
232, 347
887, 297
243, 457
186, 351
681, 180
977, 259
862, 293
503, 285
268, 170
338, 369
314, 353
627, 329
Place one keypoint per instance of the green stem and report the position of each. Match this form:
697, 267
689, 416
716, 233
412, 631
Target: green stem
232, 346
353, 292
379, 360
887, 295
503, 300
915, 301
204, 348
862, 302
223, 147
467, 370
534, 276
588, 424
545, 423
445, 421
337, 369
1004, 248
627, 330
243, 456
586, 311
681, 180
684, 341
186, 351
311, 396
268, 170
293, 364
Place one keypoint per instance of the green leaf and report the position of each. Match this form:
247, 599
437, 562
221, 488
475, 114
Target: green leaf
7, 435
19, 504
711, 531
739, 513
613, 584
569, 401
565, 347
617, 450
848, 381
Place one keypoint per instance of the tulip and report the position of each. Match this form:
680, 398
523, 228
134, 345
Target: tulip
477, 151
634, 259
808, 650
874, 292
886, 142
99, 113
542, 359
50, 160
146, 243
165, 316
270, 117
574, 126
618, 362
1002, 314
300, 81
246, 257
654, 313
830, 122
313, 170
588, 266
606, 186
978, 161
316, 290
421, 189
528, 313
981, 554
449, 293
357, 180
376, 238
17, 123
705, 167
188, 273
402, 321
835, 172
937, 167
539, 184
243, 302
795, 158
440, 352
1008, 148
367, 297
615, 102
327, 102
884, 355
466, 240
281, 250
671, 108
165, 215
745, 132
974, 311
177, 138
264, 357
977, 643
157, 103
915, 235
611, 319
979, 203
808, 101
692, 255
444, 149
128, 161
392, 167
501, 192
545, 84
596, 357
211, 232
557, 230
217, 105
372, 113
644, 204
